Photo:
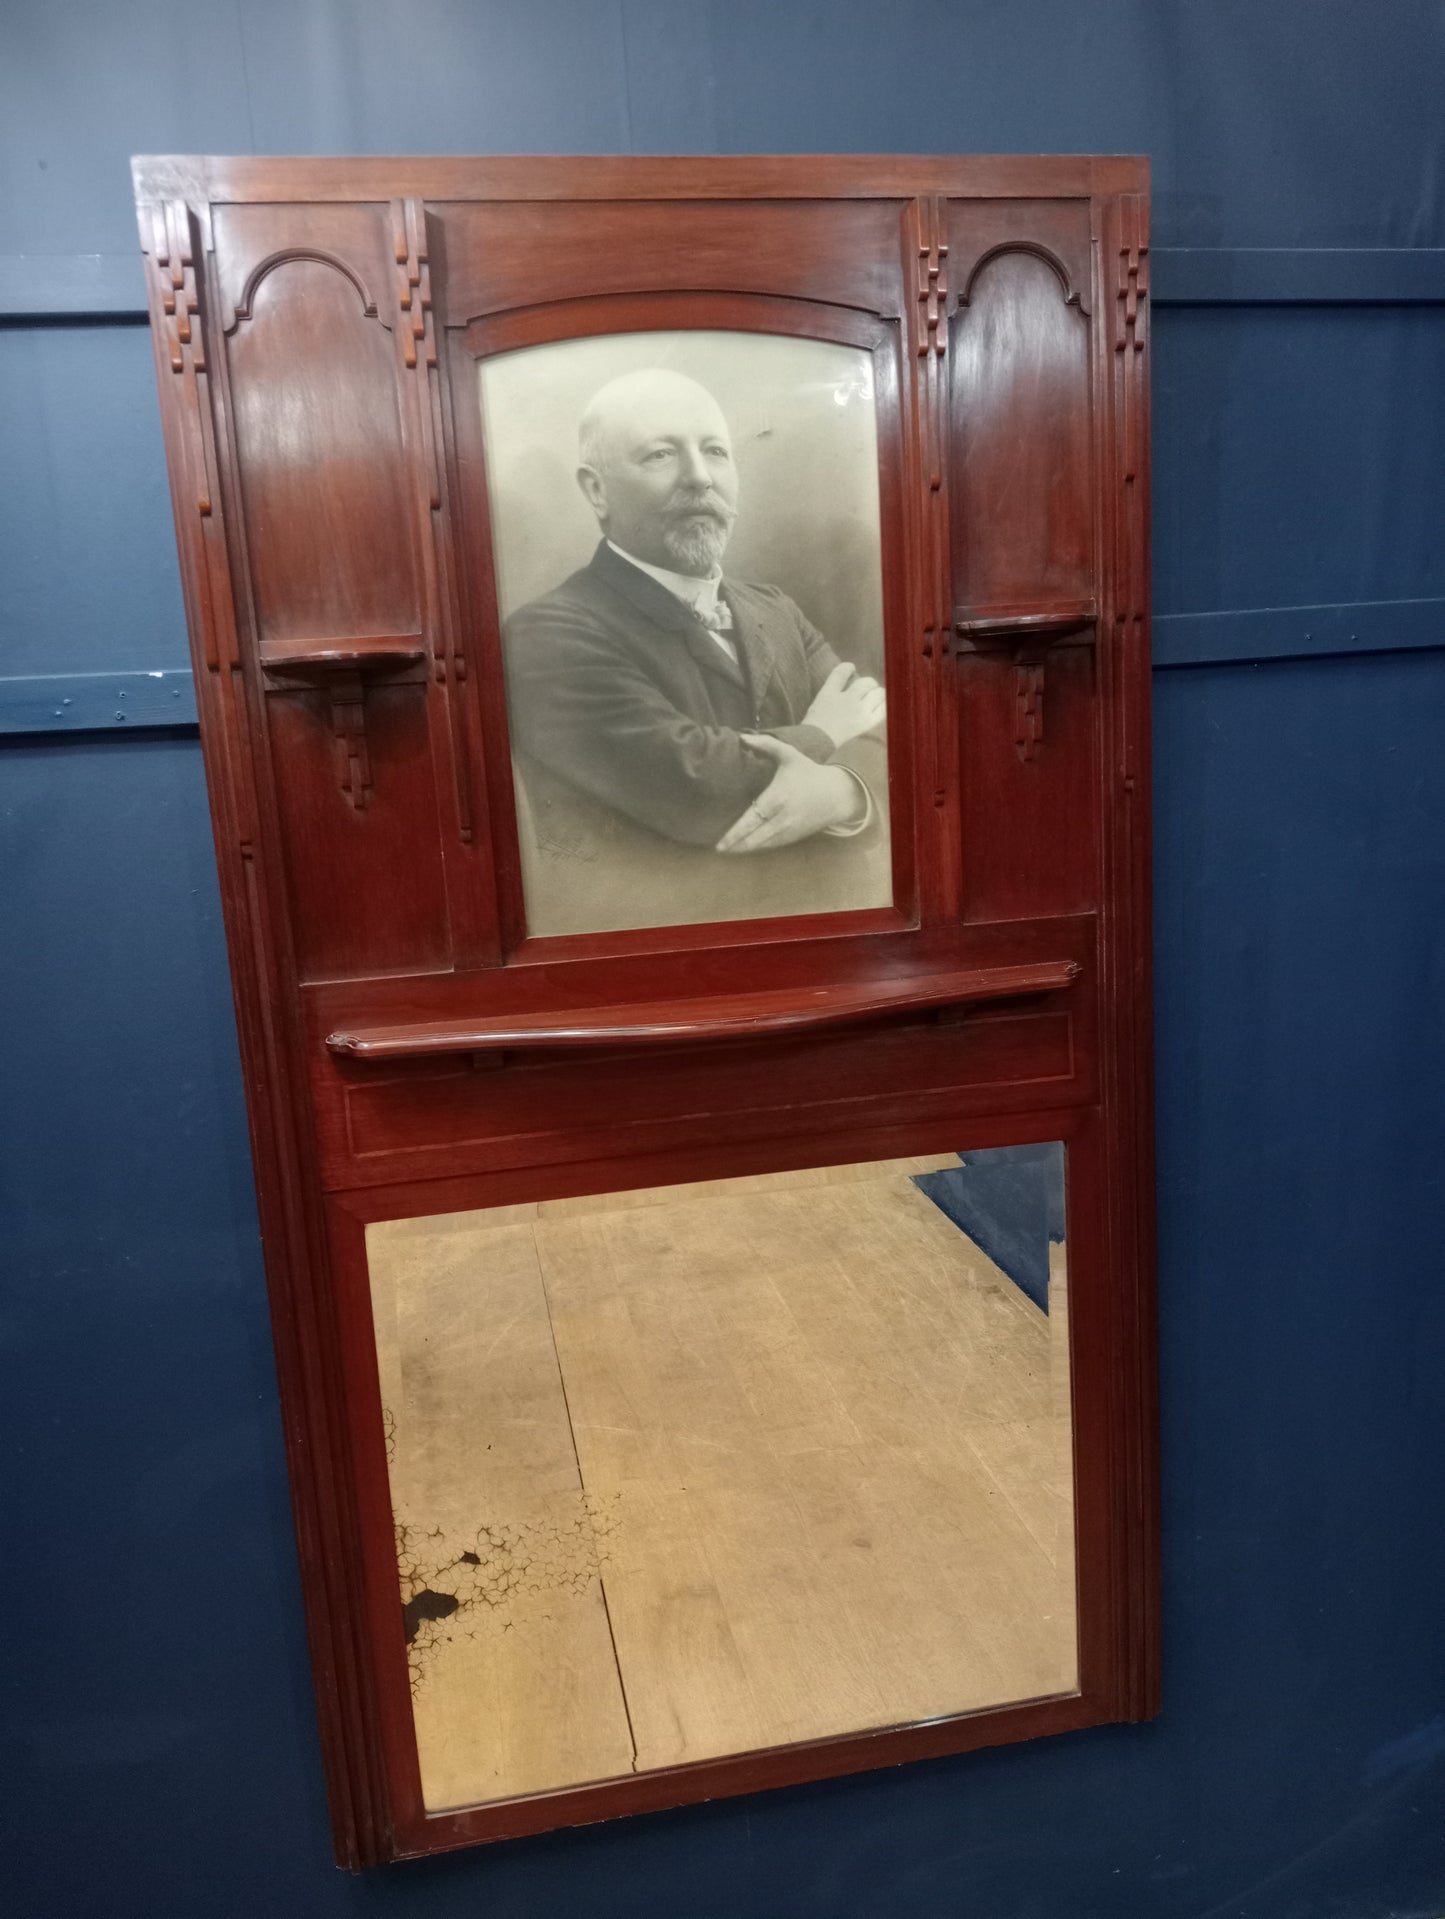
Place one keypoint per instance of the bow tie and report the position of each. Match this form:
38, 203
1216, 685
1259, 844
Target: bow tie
719, 620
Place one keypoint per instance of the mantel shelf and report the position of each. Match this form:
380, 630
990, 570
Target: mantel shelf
736, 1016
321, 658
1045, 623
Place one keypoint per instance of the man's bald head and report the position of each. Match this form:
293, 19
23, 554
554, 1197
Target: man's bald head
653, 401
657, 469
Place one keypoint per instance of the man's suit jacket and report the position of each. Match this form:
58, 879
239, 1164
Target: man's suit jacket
626, 718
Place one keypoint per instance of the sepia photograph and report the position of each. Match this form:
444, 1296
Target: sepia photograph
687, 546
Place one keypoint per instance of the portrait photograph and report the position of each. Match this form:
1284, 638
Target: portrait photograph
687, 551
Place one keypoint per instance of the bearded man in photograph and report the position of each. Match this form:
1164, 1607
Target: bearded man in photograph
671, 722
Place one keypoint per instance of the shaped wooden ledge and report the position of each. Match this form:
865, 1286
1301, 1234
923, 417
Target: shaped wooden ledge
1027, 635
341, 668
738, 1016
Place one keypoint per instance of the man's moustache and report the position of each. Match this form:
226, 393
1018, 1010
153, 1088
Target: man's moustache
701, 509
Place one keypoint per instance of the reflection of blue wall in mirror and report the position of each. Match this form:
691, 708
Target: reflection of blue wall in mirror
1010, 1202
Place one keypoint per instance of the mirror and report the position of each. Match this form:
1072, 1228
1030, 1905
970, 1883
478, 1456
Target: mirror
697, 1470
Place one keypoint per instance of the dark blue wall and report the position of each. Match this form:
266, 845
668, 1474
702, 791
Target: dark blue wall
161, 1745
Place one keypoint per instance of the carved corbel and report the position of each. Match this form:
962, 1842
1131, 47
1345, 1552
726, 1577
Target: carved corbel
347, 694
340, 670
1026, 635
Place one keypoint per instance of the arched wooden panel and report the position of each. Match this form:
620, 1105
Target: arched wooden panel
328, 501
323, 471
1021, 490
1022, 514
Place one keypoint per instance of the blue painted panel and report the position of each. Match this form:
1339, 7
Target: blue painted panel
1252, 114
83, 452
549, 77
153, 1645
1298, 457
1300, 871
80, 95
85, 86
1316, 276
60, 285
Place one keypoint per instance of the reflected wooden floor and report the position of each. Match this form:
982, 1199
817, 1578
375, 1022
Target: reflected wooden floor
703, 1469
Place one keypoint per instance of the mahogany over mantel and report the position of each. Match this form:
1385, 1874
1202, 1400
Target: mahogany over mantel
318, 330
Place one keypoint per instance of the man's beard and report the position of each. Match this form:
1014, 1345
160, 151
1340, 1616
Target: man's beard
697, 535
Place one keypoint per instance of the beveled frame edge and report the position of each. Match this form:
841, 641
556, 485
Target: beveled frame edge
878, 176
1094, 1701
174, 205
1120, 231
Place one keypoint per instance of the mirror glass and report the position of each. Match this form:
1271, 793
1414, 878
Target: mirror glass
697, 1470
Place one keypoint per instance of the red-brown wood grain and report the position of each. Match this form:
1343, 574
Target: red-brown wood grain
318, 326
744, 1016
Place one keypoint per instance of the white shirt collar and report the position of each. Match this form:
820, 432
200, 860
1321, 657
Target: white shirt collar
701, 595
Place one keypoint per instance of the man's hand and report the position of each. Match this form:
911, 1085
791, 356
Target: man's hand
846, 704
801, 799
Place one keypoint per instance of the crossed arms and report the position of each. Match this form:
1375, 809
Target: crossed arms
617, 719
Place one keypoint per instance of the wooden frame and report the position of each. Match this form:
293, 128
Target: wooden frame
353, 723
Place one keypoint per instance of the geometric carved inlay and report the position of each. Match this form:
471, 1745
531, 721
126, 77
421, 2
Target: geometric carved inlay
932, 284
347, 692
348, 714
180, 301
1028, 707
929, 220
1133, 291
413, 280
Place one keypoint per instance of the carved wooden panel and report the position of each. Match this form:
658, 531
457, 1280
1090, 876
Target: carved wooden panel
1021, 430
318, 435
1025, 577
1028, 773
496, 261
335, 592
336, 846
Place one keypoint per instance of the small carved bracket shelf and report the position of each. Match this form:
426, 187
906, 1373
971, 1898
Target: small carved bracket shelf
740, 1016
1027, 634
340, 668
